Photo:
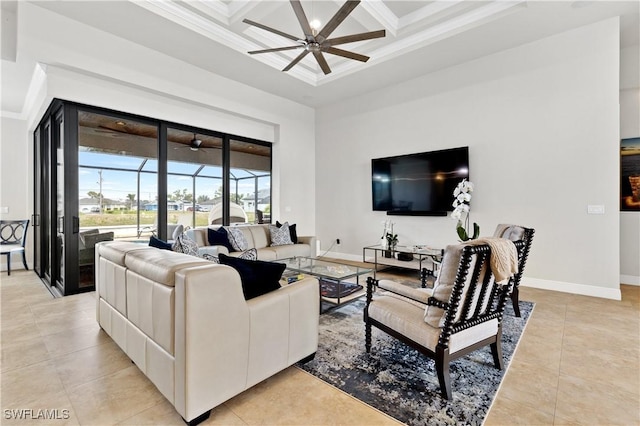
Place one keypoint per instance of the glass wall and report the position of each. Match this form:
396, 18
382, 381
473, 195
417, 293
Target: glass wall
250, 181
117, 175
194, 177
105, 175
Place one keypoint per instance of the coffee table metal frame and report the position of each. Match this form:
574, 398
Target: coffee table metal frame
328, 270
376, 255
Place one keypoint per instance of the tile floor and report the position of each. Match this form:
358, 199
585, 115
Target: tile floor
578, 363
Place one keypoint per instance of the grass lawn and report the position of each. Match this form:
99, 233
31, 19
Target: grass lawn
129, 217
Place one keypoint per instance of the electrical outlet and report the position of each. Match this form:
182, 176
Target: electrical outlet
337, 240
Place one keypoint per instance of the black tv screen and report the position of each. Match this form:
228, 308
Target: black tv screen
418, 184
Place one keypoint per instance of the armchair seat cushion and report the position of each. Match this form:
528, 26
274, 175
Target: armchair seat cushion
407, 319
404, 318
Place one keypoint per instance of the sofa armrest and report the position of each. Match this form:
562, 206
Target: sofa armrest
212, 326
284, 328
220, 249
220, 347
311, 240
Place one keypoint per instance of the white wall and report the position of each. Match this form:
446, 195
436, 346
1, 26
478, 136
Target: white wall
630, 128
542, 124
85, 65
14, 186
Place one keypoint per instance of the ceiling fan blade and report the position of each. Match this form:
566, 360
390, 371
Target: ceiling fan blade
337, 19
322, 62
346, 54
273, 30
354, 37
302, 18
296, 60
275, 49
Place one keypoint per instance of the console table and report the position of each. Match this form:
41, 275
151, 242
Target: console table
419, 257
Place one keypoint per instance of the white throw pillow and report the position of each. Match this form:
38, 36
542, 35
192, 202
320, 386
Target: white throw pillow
237, 238
280, 236
186, 245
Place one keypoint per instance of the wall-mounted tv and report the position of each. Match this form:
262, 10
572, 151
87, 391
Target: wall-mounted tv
419, 184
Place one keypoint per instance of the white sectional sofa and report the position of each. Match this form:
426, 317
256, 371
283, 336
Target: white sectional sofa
258, 237
185, 323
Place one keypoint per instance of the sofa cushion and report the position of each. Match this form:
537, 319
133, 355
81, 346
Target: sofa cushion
116, 251
219, 237
293, 233
212, 250
268, 253
237, 239
260, 235
257, 277
160, 265
280, 236
289, 250
158, 243
199, 235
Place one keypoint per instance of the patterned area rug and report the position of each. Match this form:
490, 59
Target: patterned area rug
400, 381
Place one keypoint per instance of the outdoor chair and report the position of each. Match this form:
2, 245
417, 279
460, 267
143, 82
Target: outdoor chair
515, 233
13, 236
87, 241
462, 313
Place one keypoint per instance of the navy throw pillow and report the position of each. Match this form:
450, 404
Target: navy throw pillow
158, 243
258, 277
219, 237
292, 232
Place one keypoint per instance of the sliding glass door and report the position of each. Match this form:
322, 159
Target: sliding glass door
104, 175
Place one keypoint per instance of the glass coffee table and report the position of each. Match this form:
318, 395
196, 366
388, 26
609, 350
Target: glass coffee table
339, 283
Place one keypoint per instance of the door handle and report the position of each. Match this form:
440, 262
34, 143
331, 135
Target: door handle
76, 224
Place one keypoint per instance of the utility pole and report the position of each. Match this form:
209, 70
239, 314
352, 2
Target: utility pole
100, 193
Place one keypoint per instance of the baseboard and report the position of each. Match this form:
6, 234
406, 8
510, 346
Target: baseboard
573, 288
629, 279
345, 256
15, 266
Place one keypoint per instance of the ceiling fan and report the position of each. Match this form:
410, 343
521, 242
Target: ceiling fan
317, 42
195, 144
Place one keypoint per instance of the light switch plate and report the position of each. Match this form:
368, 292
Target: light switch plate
595, 209
4, 209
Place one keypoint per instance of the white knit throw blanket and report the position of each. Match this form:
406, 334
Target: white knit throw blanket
504, 257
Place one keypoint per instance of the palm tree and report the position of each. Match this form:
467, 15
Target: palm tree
131, 198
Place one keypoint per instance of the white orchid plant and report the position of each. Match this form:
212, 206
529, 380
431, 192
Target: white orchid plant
461, 210
392, 239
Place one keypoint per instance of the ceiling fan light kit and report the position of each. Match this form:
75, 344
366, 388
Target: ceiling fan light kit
317, 42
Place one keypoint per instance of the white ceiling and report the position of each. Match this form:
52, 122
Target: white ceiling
421, 37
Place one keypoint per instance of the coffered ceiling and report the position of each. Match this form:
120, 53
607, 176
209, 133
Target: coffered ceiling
421, 36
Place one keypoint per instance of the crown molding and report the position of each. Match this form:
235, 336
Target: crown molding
253, 38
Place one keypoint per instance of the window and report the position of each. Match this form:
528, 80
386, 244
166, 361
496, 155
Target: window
117, 175
194, 177
250, 181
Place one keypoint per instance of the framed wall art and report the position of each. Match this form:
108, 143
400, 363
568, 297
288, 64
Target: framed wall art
630, 174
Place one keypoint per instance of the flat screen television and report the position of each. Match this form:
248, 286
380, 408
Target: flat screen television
419, 184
